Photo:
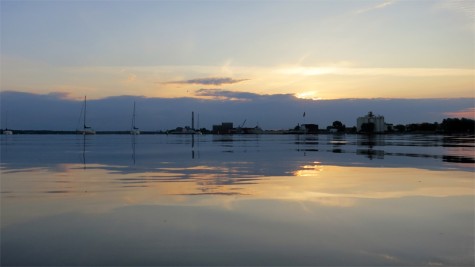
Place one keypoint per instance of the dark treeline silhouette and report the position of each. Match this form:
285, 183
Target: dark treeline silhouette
448, 126
422, 127
462, 125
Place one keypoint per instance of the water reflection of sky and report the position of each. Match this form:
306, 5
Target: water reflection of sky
239, 200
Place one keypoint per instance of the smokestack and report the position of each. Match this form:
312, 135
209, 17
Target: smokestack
193, 120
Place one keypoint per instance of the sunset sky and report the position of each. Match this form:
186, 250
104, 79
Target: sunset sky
168, 49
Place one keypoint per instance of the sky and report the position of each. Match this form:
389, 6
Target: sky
312, 50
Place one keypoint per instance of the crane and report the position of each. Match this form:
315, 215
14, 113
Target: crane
242, 125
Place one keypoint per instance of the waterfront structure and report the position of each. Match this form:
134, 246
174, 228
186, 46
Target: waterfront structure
186, 129
249, 130
310, 128
182, 130
371, 124
307, 128
224, 128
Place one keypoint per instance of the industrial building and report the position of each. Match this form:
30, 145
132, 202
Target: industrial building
371, 124
224, 128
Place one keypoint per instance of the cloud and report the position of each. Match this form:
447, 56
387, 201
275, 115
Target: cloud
404, 72
313, 95
210, 81
375, 7
277, 111
221, 94
464, 113
61, 95
462, 7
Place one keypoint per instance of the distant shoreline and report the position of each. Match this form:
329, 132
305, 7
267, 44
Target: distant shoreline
275, 132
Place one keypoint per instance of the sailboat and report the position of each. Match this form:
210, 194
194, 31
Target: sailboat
6, 131
87, 130
134, 130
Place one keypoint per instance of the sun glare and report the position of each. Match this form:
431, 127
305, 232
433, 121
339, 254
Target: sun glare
312, 95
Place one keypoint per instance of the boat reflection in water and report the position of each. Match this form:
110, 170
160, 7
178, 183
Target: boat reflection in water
238, 200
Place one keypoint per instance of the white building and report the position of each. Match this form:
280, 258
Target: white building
371, 124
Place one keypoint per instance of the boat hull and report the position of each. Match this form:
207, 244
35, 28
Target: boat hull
87, 132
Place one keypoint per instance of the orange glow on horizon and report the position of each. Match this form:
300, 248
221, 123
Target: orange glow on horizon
468, 113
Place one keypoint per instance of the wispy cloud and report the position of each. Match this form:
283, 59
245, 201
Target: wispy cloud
466, 7
220, 94
210, 81
375, 7
404, 72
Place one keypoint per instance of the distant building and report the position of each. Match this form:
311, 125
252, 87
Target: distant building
332, 129
304, 129
224, 128
182, 130
371, 124
248, 130
310, 128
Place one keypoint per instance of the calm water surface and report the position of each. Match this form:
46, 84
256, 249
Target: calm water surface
237, 200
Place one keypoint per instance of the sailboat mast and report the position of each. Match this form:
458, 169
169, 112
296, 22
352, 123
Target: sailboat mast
86, 129
133, 118
134, 130
85, 112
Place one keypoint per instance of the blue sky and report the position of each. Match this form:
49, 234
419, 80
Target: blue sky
319, 50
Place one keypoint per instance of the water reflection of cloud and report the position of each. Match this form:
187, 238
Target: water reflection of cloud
309, 170
335, 186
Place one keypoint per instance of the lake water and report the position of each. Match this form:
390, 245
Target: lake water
237, 200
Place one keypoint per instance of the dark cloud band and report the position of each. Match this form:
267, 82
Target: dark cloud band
225, 94
210, 81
